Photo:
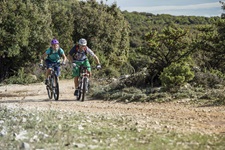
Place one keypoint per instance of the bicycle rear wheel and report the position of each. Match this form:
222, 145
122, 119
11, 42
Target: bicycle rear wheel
49, 87
55, 87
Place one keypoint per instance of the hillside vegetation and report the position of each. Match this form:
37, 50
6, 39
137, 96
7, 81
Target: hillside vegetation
154, 50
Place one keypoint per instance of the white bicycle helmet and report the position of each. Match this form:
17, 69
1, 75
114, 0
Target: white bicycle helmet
83, 42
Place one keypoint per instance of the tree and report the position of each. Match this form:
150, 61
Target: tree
27, 26
105, 29
210, 44
223, 7
167, 47
171, 45
24, 30
62, 23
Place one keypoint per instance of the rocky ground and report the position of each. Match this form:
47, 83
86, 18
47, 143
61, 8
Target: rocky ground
178, 116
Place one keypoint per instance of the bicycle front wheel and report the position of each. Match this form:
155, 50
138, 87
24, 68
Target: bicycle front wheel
84, 86
55, 87
49, 88
79, 89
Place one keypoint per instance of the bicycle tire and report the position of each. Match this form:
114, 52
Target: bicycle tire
55, 88
84, 85
48, 87
79, 89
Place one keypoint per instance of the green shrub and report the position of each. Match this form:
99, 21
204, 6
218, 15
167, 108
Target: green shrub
176, 75
107, 72
159, 97
21, 78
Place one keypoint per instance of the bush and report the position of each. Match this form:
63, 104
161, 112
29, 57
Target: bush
66, 72
107, 72
21, 78
207, 79
176, 75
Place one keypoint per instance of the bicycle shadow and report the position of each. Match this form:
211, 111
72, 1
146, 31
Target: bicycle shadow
23, 101
74, 99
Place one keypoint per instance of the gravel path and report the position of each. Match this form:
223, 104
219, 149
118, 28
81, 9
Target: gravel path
178, 116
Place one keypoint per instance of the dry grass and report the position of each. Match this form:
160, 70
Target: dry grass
63, 130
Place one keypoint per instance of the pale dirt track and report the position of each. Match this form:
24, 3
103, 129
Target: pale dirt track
177, 116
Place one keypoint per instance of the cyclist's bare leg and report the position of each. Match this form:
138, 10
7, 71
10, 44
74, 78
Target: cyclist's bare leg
89, 74
48, 71
76, 82
89, 78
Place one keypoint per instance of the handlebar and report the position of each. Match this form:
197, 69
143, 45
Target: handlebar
53, 65
82, 66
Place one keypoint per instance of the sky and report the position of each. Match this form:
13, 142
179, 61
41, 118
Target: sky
207, 8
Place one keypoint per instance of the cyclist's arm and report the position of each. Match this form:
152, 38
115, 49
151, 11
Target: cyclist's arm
43, 57
70, 56
96, 59
64, 58
89, 51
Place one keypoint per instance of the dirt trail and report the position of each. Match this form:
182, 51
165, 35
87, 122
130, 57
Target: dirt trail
177, 116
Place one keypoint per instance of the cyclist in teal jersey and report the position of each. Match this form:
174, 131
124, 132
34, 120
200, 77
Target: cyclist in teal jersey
52, 56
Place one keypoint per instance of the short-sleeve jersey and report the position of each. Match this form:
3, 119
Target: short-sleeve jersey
54, 55
78, 55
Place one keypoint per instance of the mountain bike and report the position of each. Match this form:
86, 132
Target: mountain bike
83, 81
53, 83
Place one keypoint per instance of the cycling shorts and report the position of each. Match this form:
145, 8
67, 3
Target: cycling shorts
50, 64
76, 71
